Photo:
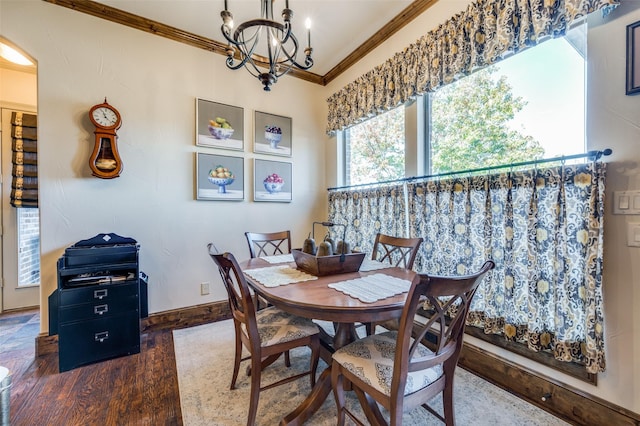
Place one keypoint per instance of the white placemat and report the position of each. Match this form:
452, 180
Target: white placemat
372, 265
278, 258
273, 276
373, 287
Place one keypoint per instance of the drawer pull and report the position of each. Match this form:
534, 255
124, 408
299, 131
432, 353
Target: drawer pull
102, 336
99, 294
100, 309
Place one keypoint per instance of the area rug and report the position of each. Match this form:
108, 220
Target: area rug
204, 361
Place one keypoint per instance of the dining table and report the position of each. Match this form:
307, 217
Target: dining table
375, 293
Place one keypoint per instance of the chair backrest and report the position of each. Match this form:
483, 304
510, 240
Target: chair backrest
268, 244
450, 299
397, 251
240, 300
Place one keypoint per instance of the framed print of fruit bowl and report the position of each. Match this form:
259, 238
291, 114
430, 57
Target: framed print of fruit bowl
219, 177
272, 134
219, 125
272, 181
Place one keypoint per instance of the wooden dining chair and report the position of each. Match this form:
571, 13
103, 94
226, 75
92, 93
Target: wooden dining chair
397, 251
268, 244
404, 369
266, 334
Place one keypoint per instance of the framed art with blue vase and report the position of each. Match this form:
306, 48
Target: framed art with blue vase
272, 181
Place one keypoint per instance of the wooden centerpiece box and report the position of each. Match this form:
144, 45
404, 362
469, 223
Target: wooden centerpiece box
327, 265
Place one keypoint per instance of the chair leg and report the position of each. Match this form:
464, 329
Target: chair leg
287, 359
447, 402
236, 361
255, 390
338, 393
315, 356
370, 327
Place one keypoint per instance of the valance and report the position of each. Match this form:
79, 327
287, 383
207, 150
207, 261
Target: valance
482, 35
24, 146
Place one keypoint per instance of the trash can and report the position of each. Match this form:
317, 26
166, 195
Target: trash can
5, 386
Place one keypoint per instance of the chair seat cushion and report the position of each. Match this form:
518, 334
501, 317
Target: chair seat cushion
276, 326
371, 360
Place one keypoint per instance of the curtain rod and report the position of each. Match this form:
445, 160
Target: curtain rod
592, 155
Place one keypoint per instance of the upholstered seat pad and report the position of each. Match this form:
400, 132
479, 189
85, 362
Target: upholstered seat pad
276, 326
371, 359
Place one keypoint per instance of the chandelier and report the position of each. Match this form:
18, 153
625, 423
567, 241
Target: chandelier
280, 45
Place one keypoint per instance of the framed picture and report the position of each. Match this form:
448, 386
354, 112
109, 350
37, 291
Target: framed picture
219, 125
272, 134
633, 58
219, 177
272, 181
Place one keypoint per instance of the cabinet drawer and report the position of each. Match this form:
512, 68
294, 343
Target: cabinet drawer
85, 342
99, 309
98, 293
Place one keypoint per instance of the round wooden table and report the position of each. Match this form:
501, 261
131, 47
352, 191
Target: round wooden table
316, 300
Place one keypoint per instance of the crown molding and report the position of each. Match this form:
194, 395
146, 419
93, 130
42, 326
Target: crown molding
157, 28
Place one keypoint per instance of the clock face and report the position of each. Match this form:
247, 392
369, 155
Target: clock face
105, 116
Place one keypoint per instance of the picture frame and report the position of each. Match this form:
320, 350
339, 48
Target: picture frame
219, 125
272, 181
633, 58
225, 187
272, 134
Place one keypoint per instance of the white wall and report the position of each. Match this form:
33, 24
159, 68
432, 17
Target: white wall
613, 122
153, 82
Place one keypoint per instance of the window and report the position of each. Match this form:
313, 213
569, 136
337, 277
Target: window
28, 247
374, 150
529, 106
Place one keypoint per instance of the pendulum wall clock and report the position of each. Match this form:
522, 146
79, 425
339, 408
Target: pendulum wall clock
105, 161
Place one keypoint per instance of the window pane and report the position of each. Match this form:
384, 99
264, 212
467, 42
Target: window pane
375, 149
28, 247
527, 107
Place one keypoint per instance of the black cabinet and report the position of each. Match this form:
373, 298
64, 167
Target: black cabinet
96, 308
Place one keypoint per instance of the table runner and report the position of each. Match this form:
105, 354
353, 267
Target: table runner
274, 276
373, 265
373, 287
279, 258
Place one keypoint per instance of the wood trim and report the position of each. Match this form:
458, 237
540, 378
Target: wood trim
545, 358
393, 26
118, 16
187, 317
563, 401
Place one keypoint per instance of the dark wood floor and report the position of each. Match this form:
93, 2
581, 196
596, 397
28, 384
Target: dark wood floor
139, 389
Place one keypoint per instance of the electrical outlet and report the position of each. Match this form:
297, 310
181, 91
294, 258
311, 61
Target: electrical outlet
204, 289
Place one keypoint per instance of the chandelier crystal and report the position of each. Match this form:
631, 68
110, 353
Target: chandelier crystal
280, 45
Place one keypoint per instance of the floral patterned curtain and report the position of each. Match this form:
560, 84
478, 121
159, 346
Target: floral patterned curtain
366, 212
481, 35
544, 230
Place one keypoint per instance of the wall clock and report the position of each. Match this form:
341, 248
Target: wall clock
105, 161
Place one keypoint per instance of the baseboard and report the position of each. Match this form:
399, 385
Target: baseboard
570, 404
187, 317
563, 401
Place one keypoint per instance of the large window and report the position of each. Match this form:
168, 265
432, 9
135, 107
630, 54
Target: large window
375, 149
529, 106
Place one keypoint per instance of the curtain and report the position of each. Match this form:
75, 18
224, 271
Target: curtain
366, 212
544, 230
24, 144
483, 34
